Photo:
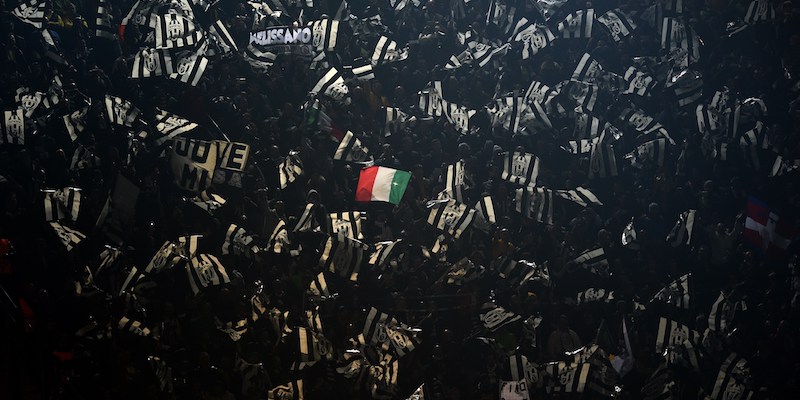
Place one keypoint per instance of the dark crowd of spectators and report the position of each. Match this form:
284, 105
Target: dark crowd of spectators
46, 298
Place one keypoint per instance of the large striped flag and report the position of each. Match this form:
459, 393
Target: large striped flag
103, 25
75, 122
120, 111
13, 127
62, 203
68, 236
619, 25
535, 203
331, 84
521, 168
577, 25
174, 31
32, 12
324, 34
350, 149
759, 11
671, 333
378, 183
343, 255
150, 62
205, 270
495, 317
450, 216
347, 223
189, 68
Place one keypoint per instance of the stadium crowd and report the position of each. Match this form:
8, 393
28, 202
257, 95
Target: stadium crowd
602, 200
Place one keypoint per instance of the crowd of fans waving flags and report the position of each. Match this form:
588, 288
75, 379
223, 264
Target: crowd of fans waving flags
610, 122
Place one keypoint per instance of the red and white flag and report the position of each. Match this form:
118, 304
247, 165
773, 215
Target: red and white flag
765, 229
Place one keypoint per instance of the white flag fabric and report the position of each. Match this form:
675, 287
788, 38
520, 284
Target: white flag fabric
289, 169
69, 237
619, 25
120, 111
32, 12
344, 256
13, 127
450, 216
520, 168
62, 203
577, 25
204, 271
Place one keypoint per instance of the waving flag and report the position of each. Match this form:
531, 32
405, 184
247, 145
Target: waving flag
151, 62
619, 25
521, 168
59, 204
31, 12
68, 236
174, 31
577, 25
343, 255
350, 149
205, 270
764, 229
382, 184
450, 216
759, 11
103, 23
120, 111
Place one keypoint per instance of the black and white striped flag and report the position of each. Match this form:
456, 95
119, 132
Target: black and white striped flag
234, 329
483, 53
652, 151
535, 203
288, 391
671, 334
567, 378
455, 181
681, 233
749, 143
520, 369
577, 25
450, 216
430, 100
494, 317
238, 242
782, 166
190, 67
350, 149
312, 347
581, 146
289, 169
223, 39
278, 241
586, 126
103, 25
32, 12
579, 195
386, 51
343, 255
538, 92
484, 212
759, 11
639, 83
593, 295
675, 34
120, 111
75, 122
463, 271
457, 61
520, 168
133, 326
205, 270
594, 260
518, 272
170, 126
83, 158
707, 119
384, 330
534, 38
644, 124
68, 236
459, 117
688, 87
208, 201
331, 84
587, 70
602, 161
727, 386
150, 62
319, 287
259, 60
676, 293
396, 120
62, 203
324, 34
619, 25
13, 127
346, 223
720, 315
173, 31
363, 71
383, 252
307, 221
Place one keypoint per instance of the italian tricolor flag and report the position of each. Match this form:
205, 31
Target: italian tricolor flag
382, 184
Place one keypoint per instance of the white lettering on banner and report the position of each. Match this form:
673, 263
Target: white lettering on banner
281, 35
